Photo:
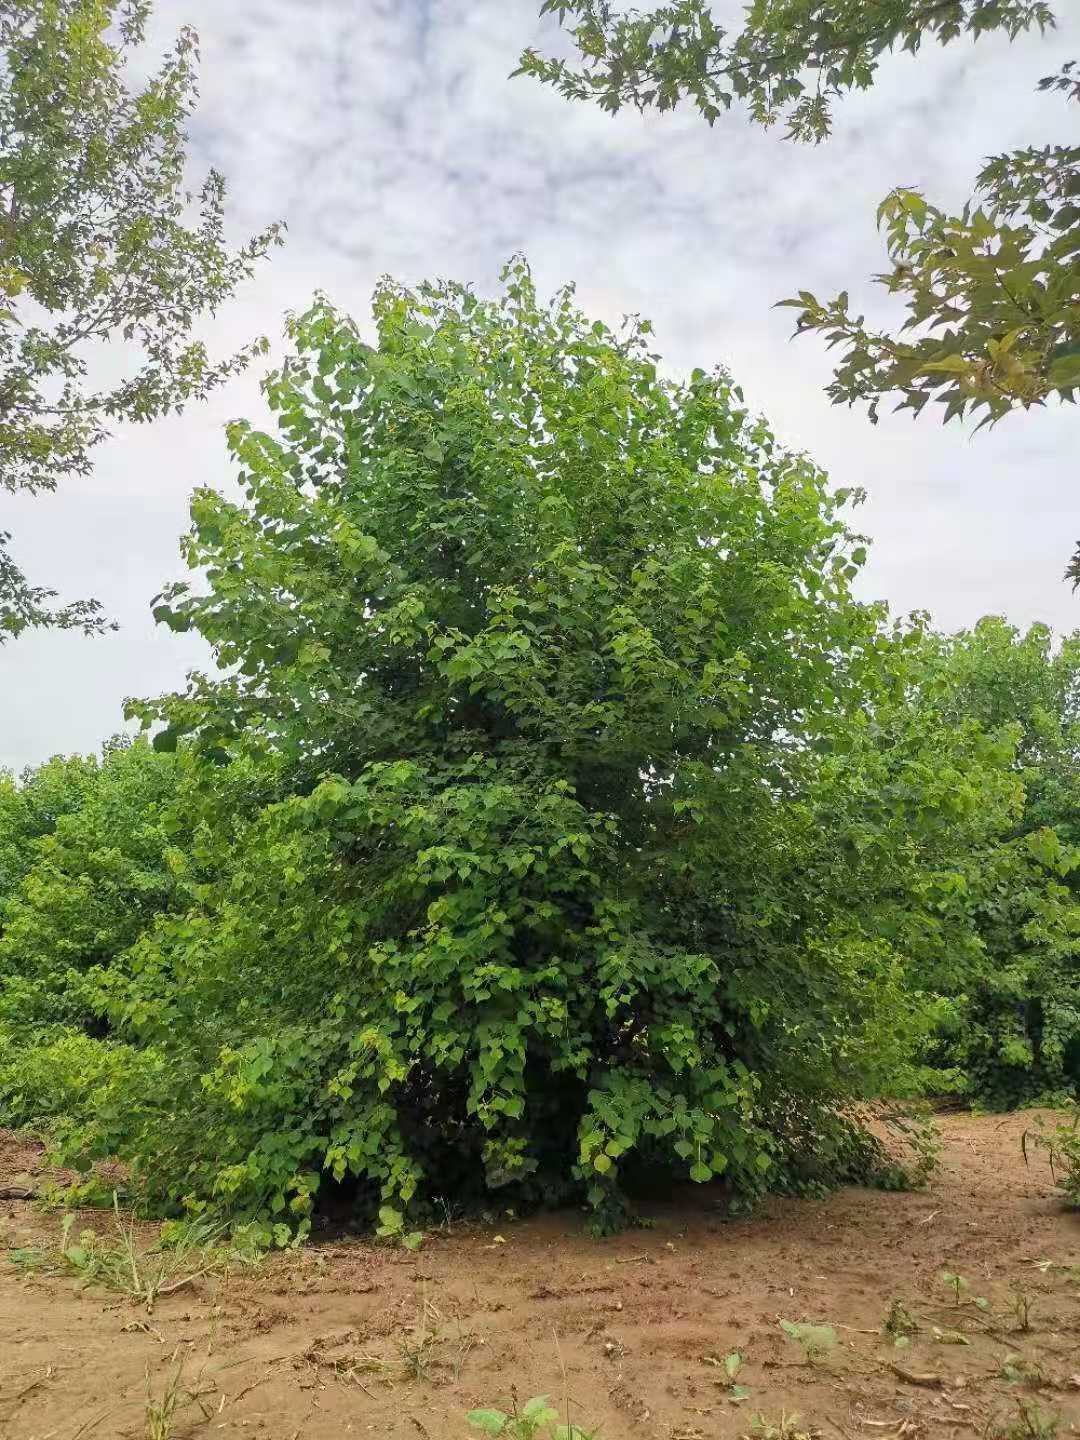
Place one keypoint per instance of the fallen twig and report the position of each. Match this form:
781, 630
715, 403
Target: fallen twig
34, 1384
94, 1423
917, 1377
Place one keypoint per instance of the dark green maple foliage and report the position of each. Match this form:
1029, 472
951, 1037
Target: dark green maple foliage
992, 293
790, 61
99, 241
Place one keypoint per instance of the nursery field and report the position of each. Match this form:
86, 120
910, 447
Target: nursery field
343, 1337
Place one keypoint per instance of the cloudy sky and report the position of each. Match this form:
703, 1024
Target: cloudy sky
388, 136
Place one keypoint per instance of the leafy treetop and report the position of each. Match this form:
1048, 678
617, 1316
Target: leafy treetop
789, 62
992, 294
548, 650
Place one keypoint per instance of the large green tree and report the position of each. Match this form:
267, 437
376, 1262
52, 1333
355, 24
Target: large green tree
561, 672
992, 293
100, 241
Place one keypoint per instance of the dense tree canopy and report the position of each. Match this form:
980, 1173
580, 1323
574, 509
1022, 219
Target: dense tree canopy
99, 240
31, 808
90, 883
1005, 947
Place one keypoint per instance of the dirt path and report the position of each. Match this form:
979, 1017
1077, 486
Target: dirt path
346, 1339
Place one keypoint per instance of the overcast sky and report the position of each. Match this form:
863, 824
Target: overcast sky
388, 136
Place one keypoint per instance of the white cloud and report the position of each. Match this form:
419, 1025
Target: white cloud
389, 137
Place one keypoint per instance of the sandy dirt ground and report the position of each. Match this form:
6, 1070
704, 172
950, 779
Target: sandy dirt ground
348, 1339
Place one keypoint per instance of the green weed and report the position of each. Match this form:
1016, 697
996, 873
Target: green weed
1030, 1423
788, 1427
391, 1227
1019, 1371
1062, 1146
1020, 1305
536, 1417
960, 1287
900, 1323
956, 1283
177, 1395
731, 1365
182, 1254
816, 1341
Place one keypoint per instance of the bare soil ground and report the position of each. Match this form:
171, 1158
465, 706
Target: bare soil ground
350, 1339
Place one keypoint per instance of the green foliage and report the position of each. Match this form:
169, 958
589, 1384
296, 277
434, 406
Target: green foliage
55, 1075
900, 1323
561, 671
789, 62
732, 1365
992, 290
24, 606
92, 853
1062, 1145
180, 1255
1031, 1423
960, 1287
95, 245
815, 1341
535, 1417
92, 878
558, 819
31, 808
1002, 940
788, 1427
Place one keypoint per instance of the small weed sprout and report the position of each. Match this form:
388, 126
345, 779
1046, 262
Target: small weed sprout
788, 1427
391, 1228
1062, 1146
1020, 1306
1031, 1423
960, 1287
1019, 1371
900, 1324
161, 1413
956, 1283
182, 1254
450, 1213
417, 1345
816, 1341
537, 1416
731, 1365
